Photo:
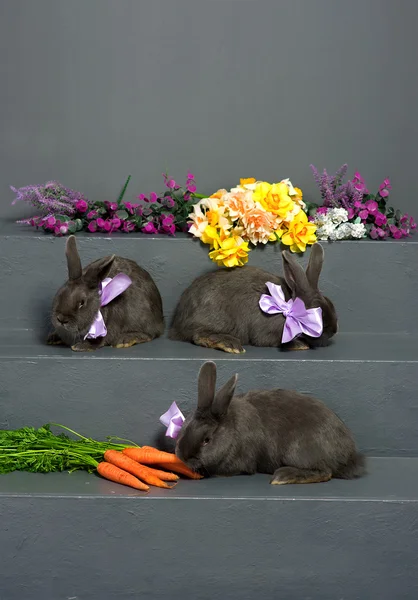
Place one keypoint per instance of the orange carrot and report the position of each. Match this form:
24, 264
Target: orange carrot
150, 456
117, 475
131, 466
181, 468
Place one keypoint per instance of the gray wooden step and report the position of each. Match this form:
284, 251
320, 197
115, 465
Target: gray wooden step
78, 536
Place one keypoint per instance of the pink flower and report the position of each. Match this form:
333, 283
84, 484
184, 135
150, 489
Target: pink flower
51, 221
100, 223
92, 226
107, 225
171, 184
380, 219
363, 214
81, 206
191, 187
153, 197
143, 197
149, 228
359, 183
358, 204
384, 188
258, 225
128, 226
322, 210
351, 213
371, 206
116, 223
64, 229
190, 176
112, 206
92, 214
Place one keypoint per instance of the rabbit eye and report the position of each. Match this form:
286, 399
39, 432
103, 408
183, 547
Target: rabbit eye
81, 304
205, 441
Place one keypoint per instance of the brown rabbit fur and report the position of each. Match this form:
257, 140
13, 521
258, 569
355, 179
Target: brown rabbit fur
221, 309
134, 317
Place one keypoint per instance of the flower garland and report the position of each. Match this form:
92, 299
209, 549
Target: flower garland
349, 211
65, 211
254, 212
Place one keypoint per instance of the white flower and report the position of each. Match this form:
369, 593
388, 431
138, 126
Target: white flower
292, 191
357, 230
326, 231
338, 215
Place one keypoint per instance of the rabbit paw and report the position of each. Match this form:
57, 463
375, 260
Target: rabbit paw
297, 345
286, 475
84, 346
54, 340
224, 342
131, 339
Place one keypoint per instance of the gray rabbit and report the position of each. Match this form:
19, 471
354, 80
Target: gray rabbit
221, 309
294, 437
133, 317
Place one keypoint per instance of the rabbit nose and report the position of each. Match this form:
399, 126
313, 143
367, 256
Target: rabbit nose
62, 320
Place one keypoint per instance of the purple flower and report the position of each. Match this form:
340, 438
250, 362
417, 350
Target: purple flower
92, 214
351, 213
167, 219
100, 223
149, 228
373, 233
107, 225
143, 197
396, 234
358, 204
116, 223
412, 223
190, 176
380, 219
363, 214
128, 207
371, 206
153, 197
51, 221
191, 187
81, 206
112, 206
171, 184
92, 226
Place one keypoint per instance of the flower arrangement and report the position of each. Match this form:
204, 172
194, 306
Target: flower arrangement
254, 212
64, 211
349, 211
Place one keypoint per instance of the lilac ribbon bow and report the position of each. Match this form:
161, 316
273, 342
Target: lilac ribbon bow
172, 419
110, 288
299, 319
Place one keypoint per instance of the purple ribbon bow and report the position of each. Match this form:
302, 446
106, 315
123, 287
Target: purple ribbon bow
298, 318
110, 288
172, 419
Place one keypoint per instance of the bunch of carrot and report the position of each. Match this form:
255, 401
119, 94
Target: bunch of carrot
131, 467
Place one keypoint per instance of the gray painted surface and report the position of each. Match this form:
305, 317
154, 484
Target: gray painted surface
92, 91
239, 544
371, 382
373, 284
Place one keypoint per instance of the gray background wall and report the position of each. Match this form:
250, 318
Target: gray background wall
92, 90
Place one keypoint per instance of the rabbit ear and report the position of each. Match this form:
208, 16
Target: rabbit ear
294, 274
98, 270
223, 397
316, 260
73, 259
206, 385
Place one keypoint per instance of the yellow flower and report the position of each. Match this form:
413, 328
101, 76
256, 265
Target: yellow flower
232, 252
299, 193
243, 182
299, 233
274, 198
214, 236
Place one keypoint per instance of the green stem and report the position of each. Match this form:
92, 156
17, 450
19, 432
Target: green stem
70, 430
121, 195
